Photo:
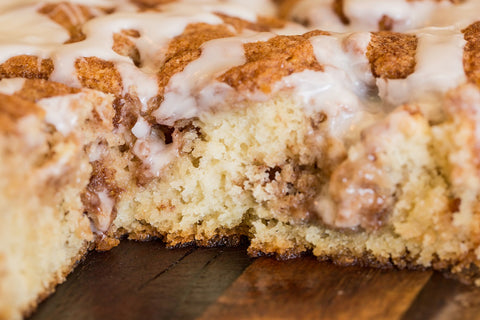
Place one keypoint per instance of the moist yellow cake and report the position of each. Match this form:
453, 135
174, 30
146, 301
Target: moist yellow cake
204, 122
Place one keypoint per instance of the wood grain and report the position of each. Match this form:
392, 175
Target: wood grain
448, 299
145, 281
148, 281
308, 289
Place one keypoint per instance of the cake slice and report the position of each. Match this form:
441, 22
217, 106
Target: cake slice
44, 231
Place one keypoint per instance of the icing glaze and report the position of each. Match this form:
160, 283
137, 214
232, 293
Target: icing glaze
10, 86
195, 88
60, 113
427, 82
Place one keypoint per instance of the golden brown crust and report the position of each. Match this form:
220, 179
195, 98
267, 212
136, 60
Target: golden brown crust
392, 54
14, 108
285, 7
150, 4
471, 53
105, 243
36, 89
315, 33
231, 239
465, 272
124, 46
263, 24
385, 23
271, 22
337, 6
26, 66
98, 74
185, 48
222, 237
286, 254
269, 61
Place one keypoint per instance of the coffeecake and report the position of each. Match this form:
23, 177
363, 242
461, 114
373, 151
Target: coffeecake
345, 129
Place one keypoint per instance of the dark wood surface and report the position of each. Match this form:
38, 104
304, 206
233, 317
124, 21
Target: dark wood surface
147, 281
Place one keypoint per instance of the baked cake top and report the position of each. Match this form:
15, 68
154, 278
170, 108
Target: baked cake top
175, 60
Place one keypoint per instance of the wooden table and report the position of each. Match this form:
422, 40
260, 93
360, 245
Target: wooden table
148, 281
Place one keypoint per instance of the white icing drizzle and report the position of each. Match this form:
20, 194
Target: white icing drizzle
61, 161
96, 152
6, 6
60, 113
40, 36
155, 28
347, 53
460, 15
439, 67
141, 129
342, 90
31, 34
10, 86
318, 14
73, 12
123, 5
231, 8
153, 151
330, 93
265, 8
364, 15
195, 88
107, 204
290, 28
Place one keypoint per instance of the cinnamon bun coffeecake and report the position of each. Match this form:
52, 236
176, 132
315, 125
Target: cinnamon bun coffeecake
204, 122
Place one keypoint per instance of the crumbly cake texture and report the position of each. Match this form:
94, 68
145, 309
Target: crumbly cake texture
209, 122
